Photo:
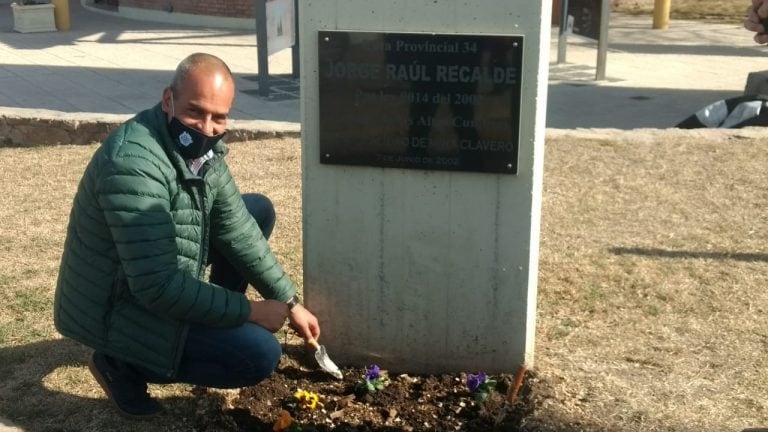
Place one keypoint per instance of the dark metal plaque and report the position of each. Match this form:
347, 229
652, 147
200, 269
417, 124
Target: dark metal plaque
422, 101
586, 17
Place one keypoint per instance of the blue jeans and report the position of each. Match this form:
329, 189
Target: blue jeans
228, 357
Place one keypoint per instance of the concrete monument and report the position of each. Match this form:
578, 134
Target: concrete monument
422, 133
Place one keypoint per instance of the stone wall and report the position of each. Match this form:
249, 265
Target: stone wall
224, 8
31, 132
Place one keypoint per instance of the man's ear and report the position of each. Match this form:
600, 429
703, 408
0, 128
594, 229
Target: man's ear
166, 100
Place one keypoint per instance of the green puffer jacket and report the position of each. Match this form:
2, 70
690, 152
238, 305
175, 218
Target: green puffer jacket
137, 243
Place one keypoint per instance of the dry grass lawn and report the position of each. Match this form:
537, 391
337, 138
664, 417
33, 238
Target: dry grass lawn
44, 382
652, 293
653, 271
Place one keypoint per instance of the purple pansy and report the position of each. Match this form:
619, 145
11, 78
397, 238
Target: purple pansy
372, 372
475, 381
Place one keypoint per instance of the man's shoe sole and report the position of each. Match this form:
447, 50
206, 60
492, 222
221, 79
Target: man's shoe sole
103, 383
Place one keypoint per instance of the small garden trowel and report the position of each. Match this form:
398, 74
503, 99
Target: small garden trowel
324, 361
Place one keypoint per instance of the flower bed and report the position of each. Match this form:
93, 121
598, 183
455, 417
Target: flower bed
299, 397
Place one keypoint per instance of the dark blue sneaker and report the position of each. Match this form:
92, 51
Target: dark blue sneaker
127, 393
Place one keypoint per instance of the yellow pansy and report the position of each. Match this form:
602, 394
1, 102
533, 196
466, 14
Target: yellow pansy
307, 400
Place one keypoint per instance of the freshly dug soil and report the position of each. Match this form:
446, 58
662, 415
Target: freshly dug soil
408, 403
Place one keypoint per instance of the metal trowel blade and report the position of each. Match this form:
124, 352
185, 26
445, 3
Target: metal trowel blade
326, 363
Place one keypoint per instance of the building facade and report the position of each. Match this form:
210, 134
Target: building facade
237, 14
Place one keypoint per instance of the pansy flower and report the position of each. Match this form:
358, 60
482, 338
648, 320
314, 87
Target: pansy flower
372, 372
307, 400
374, 379
475, 381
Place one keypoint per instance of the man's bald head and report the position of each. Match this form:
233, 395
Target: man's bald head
201, 94
208, 63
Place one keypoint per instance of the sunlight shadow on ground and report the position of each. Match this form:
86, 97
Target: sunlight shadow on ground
666, 253
46, 383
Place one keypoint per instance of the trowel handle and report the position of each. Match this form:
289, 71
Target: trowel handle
313, 343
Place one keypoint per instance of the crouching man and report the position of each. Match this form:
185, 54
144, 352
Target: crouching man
156, 205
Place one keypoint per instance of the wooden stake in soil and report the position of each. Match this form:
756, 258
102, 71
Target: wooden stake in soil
512, 394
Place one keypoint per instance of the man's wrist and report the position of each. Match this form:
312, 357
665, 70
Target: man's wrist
293, 302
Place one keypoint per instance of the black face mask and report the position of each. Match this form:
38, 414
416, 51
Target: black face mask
190, 142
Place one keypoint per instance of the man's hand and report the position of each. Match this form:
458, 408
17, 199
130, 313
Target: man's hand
757, 12
269, 314
304, 322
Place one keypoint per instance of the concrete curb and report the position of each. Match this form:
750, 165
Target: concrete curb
648, 134
31, 128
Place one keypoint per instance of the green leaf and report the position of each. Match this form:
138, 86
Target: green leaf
481, 396
487, 387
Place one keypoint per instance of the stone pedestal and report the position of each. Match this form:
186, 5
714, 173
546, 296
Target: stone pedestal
33, 18
413, 266
61, 14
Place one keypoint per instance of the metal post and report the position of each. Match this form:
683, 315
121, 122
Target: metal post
295, 49
61, 14
602, 43
262, 50
562, 40
661, 10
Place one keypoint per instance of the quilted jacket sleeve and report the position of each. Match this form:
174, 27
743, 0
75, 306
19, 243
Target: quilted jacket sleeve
134, 195
238, 236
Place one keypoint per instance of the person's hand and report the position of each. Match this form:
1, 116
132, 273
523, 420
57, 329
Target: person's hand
304, 323
757, 12
269, 314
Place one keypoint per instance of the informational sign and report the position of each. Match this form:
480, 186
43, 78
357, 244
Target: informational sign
281, 33
584, 17
421, 101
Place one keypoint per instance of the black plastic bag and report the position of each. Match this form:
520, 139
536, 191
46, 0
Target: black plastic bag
737, 112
